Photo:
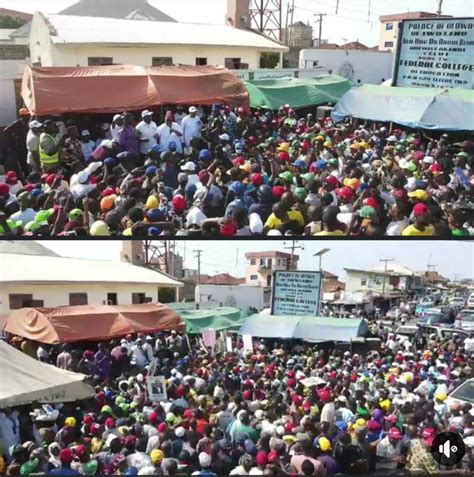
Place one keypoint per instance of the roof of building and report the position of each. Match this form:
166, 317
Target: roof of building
36, 268
329, 46
329, 275
392, 270
69, 29
136, 9
435, 277
333, 286
354, 45
409, 16
5, 33
16, 14
301, 24
25, 248
270, 254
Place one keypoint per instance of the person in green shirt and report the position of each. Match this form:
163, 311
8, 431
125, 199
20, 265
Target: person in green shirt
242, 426
456, 221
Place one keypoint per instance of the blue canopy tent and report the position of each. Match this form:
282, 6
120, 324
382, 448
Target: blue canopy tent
307, 328
426, 108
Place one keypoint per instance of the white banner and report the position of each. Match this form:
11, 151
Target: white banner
436, 53
248, 342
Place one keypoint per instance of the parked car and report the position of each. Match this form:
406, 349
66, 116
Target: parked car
463, 394
442, 332
406, 332
434, 317
457, 301
465, 320
470, 301
424, 304
392, 313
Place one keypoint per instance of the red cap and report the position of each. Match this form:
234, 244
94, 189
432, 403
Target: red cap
420, 209
80, 450
66, 456
261, 458
283, 156
88, 419
435, 167
391, 418
238, 161
297, 400
289, 426
345, 193
252, 139
153, 418
278, 191
12, 178
257, 179
394, 433
108, 191
179, 202
29, 187
272, 456
428, 435
247, 394
4, 189
331, 180
110, 422
291, 383
162, 427
204, 176
371, 202
417, 155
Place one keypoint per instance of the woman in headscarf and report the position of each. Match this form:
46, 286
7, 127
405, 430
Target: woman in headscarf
53, 462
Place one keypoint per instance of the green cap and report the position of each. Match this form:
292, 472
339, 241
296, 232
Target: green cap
75, 214
367, 212
462, 154
308, 176
411, 166
295, 143
44, 215
301, 193
32, 226
287, 176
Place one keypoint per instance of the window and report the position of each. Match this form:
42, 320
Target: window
201, 61
253, 277
269, 280
233, 63
378, 281
162, 61
112, 299
269, 263
18, 301
363, 282
262, 261
138, 298
77, 299
389, 26
253, 261
388, 44
100, 60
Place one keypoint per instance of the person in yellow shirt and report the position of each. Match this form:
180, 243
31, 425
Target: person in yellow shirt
422, 226
282, 216
330, 223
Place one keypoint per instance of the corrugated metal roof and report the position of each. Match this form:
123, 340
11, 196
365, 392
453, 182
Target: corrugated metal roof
117, 9
48, 269
83, 30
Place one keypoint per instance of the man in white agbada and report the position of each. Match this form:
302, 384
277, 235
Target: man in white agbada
170, 131
148, 131
191, 126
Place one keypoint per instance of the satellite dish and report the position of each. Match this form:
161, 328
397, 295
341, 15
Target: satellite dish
347, 71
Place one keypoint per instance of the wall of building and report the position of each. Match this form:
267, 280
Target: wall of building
58, 295
373, 282
41, 48
367, 66
257, 274
239, 296
388, 35
12, 64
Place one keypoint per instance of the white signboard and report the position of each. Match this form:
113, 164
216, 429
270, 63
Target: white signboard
156, 388
296, 293
247, 342
436, 53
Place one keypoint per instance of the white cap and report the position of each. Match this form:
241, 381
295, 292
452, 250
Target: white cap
274, 233
392, 138
224, 137
85, 133
180, 432
93, 166
189, 166
428, 160
117, 116
192, 109
255, 223
35, 124
204, 460
146, 113
82, 177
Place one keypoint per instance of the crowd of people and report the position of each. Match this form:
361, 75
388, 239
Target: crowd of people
245, 412
228, 172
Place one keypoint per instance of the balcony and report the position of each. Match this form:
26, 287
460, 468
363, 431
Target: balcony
264, 268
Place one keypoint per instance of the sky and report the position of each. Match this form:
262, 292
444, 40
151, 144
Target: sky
354, 20
453, 259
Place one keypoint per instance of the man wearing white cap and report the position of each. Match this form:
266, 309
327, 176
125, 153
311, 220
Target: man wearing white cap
32, 144
116, 126
148, 131
87, 145
191, 126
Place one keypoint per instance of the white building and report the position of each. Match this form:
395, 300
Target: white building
362, 66
32, 275
64, 40
236, 296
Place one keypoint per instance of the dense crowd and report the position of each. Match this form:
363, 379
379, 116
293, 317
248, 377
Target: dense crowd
245, 412
227, 172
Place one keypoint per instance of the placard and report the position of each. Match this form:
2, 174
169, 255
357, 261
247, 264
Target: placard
247, 342
296, 293
209, 338
156, 388
435, 53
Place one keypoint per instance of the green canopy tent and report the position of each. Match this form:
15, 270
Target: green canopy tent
217, 319
298, 92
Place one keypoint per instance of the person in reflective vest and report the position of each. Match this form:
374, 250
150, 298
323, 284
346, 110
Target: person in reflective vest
49, 146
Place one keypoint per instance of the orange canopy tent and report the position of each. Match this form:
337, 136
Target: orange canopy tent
118, 88
91, 322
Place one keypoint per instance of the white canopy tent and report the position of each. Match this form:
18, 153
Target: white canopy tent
24, 380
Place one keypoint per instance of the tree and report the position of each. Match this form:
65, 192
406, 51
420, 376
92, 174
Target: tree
269, 60
166, 295
7, 21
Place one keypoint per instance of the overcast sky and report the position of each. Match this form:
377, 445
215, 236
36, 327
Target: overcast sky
452, 259
353, 21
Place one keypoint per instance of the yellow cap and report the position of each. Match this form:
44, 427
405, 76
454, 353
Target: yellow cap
385, 404
70, 421
152, 202
284, 146
441, 396
156, 456
327, 144
324, 444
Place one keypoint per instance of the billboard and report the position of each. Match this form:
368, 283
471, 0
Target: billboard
296, 293
435, 53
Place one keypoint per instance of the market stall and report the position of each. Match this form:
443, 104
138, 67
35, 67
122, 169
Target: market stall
307, 328
25, 380
427, 108
91, 322
298, 92
118, 88
217, 319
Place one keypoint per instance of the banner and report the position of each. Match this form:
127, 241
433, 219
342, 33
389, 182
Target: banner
156, 388
296, 293
209, 338
248, 343
435, 53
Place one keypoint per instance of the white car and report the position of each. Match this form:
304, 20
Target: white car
463, 394
470, 301
457, 301
465, 320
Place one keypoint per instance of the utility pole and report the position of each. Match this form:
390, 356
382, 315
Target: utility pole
440, 7
386, 260
286, 24
291, 23
198, 256
293, 247
320, 15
